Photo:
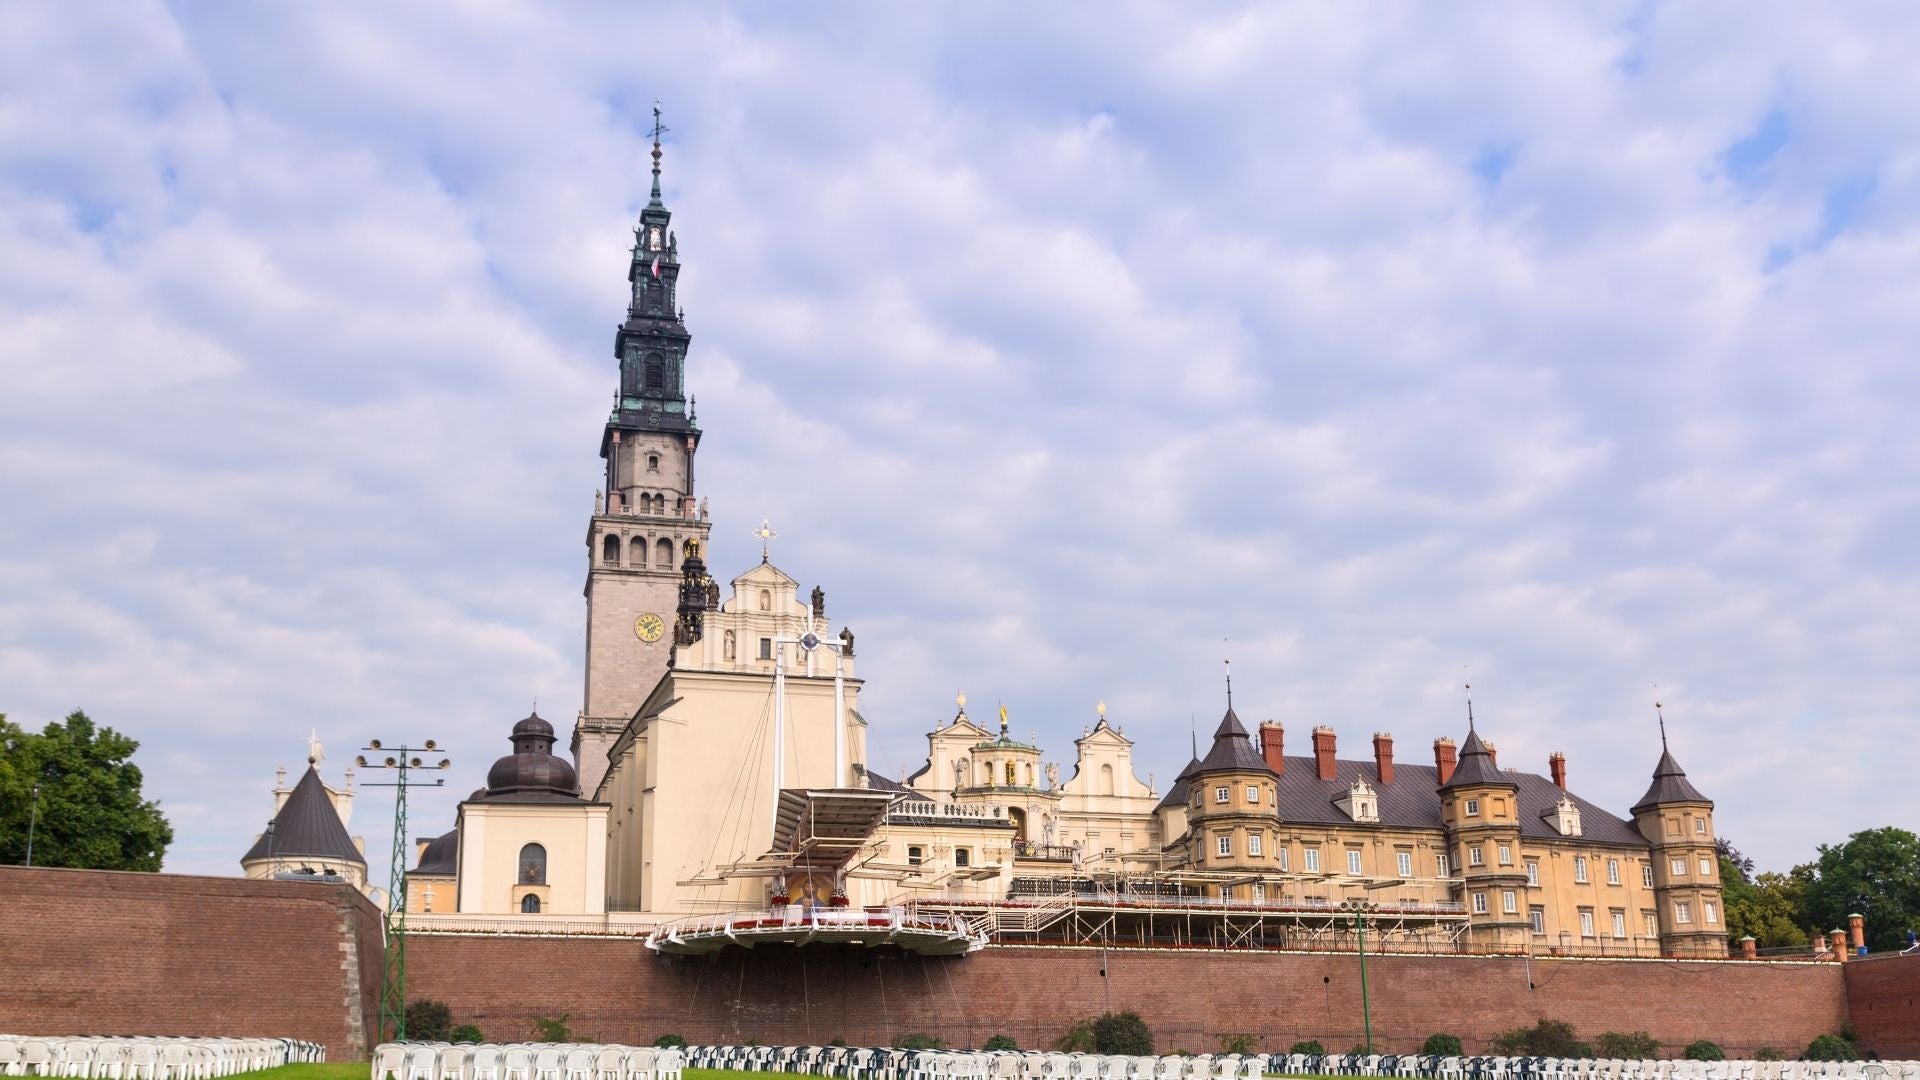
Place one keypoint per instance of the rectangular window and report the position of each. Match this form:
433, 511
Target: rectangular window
1679, 868
1506, 855
1619, 923
1473, 807
1580, 869
1586, 922
1707, 912
1442, 866
914, 855
1223, 845
1533, 874
1537, 915
1613, 871
962, 857
1475, 857
1259, 890
1646, 875
1253, 843
1479, 903
1509, 902
1253, 795
1311, 859
1353, 863
1706, 866
1404, 863
1220, 793
1683, 913
1283, 857
1653, 923
766, 648
1700, 825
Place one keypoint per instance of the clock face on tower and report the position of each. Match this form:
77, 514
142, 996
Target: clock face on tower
649, 627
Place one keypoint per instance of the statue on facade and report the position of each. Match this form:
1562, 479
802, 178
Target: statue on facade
959, 774
1053, 776
846, 642
1049, 827
819, 602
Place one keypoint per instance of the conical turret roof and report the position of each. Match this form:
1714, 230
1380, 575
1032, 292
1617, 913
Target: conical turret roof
1670, 784
1476, 767
306, 825
1232, 749
1177, 794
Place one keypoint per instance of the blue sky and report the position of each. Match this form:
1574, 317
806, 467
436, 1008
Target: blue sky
1565, 349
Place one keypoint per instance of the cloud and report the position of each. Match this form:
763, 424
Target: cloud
1560, 350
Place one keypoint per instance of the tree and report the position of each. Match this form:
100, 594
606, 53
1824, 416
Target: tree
91, 814
429, 1020
1548, 1038
1772, 908
1730, 854
1875, 873
1630, 1046
1122, 1033
1441, 1045
1705, 1050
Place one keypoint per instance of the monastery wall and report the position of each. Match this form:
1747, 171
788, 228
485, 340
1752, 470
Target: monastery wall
108, 953
1883, 1000
1193, 1000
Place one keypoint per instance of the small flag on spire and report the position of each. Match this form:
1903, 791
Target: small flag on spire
656, 266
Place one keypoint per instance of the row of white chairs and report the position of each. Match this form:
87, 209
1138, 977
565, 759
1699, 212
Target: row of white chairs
524, 1061
147, 1058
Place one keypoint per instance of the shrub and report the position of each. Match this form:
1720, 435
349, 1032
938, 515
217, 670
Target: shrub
1238, 1044
669, 1039
1309, 1047
428, 1021
1001, 1042
1635, 1046
1769, 1053
1122, 1033
1704, 1050
919, 1041
1830, 1048
837, 1040
1356, 1050
466, 1033
552, 1029
1442, 1045
1077, 1040
1547, 1038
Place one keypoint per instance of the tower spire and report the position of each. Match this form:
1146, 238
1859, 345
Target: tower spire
1227, 662
1662, 719
1470, 708
659, 129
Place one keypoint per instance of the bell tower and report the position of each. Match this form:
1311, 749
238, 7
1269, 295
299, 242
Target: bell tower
646, 511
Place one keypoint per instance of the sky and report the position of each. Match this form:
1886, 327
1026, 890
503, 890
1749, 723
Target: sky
1564, 350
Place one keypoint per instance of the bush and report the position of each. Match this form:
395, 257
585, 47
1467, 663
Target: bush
1310, 1047
919, 1041
1704, 1050
1356, 1050
553, 1029
428, 1021
1830, 1048
1238, 1044
1122, 1033
837, 1040
1077, 1040
466, 1033
1547, 1038
1001, 1042
1769, 1053
669, 1039
1636, 1046
1442, 1045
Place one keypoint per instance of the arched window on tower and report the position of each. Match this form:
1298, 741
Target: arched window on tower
533, 865
660, 504
610, 551
530, 904
663, 554
637, 552
656, 372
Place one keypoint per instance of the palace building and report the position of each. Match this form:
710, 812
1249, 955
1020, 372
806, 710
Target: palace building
717, 786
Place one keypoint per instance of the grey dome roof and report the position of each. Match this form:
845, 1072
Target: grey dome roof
532, 773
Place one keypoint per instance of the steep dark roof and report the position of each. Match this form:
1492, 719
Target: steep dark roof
1670, 785
306, 825
1412, 801
880, 783
1177, 794
1476, 767
441, 856
1232, 749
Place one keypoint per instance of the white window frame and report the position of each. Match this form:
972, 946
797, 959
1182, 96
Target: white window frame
1222, 793
1706, 866
1619, 924
1310, 860
1353, 862
1253, 795
1253, 844
1533, 872
1709, 912
1403, 862
1700, 825
1586, 922
1613, 871
1509, 902
1677, 867
1442, 865
1479, 903
1682, 913
1646, 875
1505, 852
1473, 808
1580, 869
1223, 845
1653, 923
1476, 855
1283, 856
1537, 916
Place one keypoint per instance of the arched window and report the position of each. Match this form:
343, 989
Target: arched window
659, 504
656, 373
663, 554
533, 865
653, 462
637, 552
610, 551
1106, 779
1013, 774
530, 904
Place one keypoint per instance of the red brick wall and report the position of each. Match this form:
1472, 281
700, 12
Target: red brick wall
1883, 1000
616, 990
98, 952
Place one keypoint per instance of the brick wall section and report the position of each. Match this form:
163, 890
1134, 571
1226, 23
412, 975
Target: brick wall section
99, 952
616, 990
1883, 1000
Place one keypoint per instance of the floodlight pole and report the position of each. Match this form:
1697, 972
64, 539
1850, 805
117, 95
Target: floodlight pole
33, 820
1358, 910
393, 987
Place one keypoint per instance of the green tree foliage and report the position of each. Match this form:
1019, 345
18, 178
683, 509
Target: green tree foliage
1122, 1033
1769, 1053
1830, 1048
553, 1029
1772, 908
465, 1033
1875, 873
1238, 1044
1441, 1045
91, 815
1630, 1046
920, 1041
1077, 1040
671, 1039
1547, 1038
428, 1020
1001, 1042
1310, 1047
1704, 1050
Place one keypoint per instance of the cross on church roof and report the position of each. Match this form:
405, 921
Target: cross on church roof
767, 535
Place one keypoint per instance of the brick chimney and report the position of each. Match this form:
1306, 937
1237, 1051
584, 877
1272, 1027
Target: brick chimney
1323, 766
1445, 757
1557, 767
1272, 746
1383, 756
1493, 753
1857, 930
1749, 948
1837, 941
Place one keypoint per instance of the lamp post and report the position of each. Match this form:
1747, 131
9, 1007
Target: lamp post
33, 819
1357, 912
401, 759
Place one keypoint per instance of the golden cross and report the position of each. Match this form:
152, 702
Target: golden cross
766, 534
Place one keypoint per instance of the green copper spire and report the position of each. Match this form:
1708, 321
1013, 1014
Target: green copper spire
659, 129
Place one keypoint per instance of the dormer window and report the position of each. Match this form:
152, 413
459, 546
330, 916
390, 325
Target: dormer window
1360, 802
1566, 817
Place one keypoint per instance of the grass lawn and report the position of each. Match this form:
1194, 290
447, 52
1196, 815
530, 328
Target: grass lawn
329, 1070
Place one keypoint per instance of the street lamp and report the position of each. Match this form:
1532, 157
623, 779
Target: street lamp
33, 819
401, 759
1357, 912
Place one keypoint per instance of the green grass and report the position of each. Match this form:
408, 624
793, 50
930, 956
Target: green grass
328, 1070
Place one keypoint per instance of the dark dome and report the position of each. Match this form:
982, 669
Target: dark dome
532, 769
532, 725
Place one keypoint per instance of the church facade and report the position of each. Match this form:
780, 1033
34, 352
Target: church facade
719, 763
